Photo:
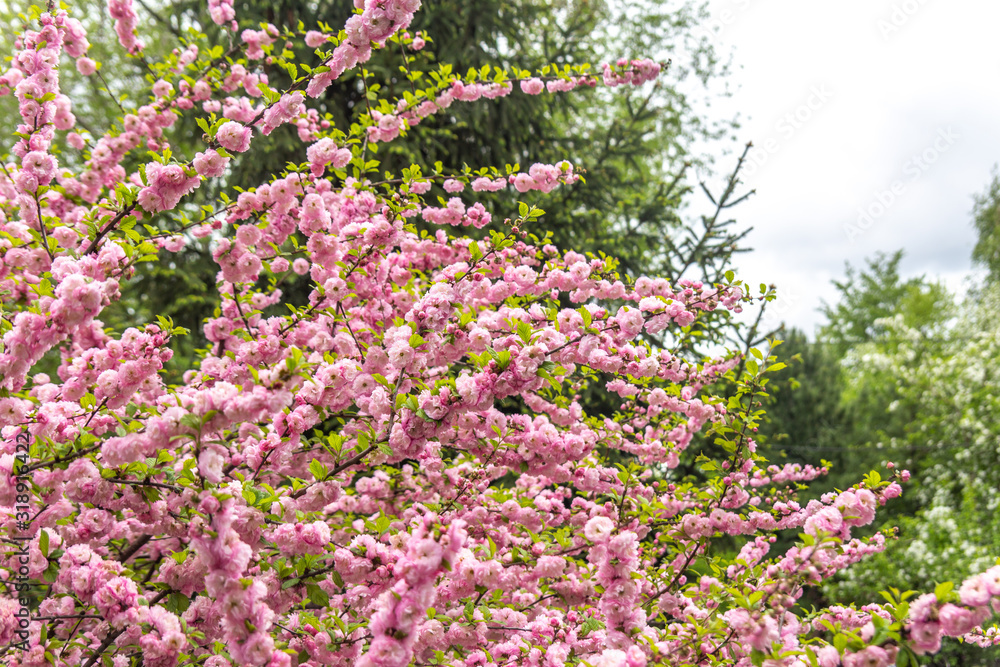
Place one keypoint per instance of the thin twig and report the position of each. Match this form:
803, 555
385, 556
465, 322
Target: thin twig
112, 636
134, 547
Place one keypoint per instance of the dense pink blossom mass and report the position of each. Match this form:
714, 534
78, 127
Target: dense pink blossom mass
403, 471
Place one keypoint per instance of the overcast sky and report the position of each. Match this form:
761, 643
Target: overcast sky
887, 108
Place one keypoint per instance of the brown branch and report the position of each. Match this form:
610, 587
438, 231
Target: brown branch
146, 482
41, 226
62, 459
134, 547
107, 230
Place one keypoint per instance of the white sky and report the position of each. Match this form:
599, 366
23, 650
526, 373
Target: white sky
888, 81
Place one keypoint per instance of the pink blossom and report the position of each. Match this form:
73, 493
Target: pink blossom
86, 66
598, 528
315, 39
955, 620
115, 598
234, 136
162, 88
380, 450
533, 86
210, 164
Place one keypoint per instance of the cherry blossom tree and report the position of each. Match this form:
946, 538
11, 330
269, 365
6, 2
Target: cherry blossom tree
400, 470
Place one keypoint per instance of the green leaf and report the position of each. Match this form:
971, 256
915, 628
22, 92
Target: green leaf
524, 332
943, 590
191, 421
317, 469
591, 625
43, 542
177, 603
317, 595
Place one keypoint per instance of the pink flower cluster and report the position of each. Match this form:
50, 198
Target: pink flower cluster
456, 214
617, 557
287, 109
126, 22
245, 616
82, 292
544, 177
167, 184
378, 20
238, 76
401, 608
234, 137
210, 164
256, 40
386, 127
326, 152
634, 72
931, 619
222, 13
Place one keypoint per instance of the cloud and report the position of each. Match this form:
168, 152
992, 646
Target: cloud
893, 94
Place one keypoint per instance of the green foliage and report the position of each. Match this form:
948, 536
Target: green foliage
986, 219
839, 398
805, 419
901, 372
869, 297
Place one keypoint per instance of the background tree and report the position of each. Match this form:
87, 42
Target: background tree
833, 399
903, 371
942, 421
876, 293
986, 219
